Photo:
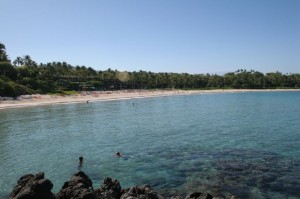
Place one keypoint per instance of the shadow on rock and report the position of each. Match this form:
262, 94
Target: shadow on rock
33, 187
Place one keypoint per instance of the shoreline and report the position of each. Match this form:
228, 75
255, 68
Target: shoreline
95, 96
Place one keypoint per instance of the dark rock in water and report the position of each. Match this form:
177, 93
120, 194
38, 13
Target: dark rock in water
142, 192
232, 197
176, 197
193, 195
227, 197
32, 186
206, 196
80, 186
265, 179
199, 195
110, 189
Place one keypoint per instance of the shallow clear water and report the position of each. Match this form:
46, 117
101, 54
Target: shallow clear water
247, 144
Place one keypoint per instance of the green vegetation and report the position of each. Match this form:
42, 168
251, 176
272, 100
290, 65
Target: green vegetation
25, 76
13, 89
60, 92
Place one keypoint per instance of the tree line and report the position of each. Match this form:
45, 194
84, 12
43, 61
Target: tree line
24, 76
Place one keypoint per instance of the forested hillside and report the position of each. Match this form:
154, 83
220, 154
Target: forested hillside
24, 76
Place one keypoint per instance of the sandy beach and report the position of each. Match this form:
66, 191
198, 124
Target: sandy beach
93, 96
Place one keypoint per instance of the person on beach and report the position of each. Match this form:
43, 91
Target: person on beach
80, 163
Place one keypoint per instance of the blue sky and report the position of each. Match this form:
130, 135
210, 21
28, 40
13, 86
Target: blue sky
193, 36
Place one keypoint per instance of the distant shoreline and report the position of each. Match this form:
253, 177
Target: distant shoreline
94, 96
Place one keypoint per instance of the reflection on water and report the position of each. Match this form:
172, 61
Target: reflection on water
245, 144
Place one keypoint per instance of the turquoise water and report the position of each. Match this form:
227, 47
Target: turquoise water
247, 144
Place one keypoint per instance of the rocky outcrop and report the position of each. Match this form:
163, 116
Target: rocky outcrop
199, 195
110, 189
32, 187
140, 192
80, 186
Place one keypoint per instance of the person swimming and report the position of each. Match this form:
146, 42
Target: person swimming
80, 163
118, 154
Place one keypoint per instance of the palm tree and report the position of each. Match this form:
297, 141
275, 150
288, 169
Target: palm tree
18, 61
2, 48
3, 56
29, 62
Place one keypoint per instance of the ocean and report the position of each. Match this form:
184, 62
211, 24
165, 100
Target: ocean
246, 144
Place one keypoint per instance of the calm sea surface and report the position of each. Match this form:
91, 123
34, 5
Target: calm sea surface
247, 144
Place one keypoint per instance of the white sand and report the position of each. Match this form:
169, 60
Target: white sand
84, 97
